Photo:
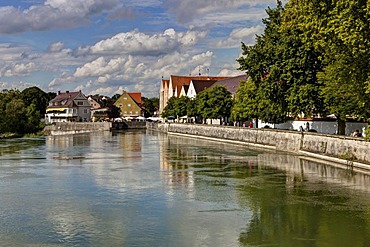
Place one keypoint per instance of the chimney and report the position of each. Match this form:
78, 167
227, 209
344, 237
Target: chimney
67, 91
58, 92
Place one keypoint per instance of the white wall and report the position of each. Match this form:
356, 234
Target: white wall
325, 127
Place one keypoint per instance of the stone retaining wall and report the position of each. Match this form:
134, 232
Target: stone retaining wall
76, 128
324, 146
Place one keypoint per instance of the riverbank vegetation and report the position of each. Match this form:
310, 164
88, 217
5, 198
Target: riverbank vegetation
21, 112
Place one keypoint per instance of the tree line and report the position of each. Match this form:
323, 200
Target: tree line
312, 59
22, 112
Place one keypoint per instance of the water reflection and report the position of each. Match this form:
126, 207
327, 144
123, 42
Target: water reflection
294, 201
149, 189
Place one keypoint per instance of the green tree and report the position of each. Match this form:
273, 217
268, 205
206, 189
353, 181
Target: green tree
5, 97
214, 103
150, 106
339, 31
246, 102
33, 119
16, 120
36, 96
170, 109
262, 62
192, 109
284, 70
176, 107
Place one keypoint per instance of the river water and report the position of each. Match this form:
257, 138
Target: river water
142, 188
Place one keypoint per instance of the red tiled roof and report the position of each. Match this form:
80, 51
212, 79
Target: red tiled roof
179, 81
136, 96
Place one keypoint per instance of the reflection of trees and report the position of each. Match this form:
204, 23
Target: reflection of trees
11, 146
294, 202
297, 209
197, 166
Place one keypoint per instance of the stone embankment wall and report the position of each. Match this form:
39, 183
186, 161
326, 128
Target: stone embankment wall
128, 125
76, 128
352, 151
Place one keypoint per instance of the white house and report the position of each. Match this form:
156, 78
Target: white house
68, 107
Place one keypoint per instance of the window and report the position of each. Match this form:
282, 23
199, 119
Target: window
129, 105
80, 103
120, 105
124, 98
85, 111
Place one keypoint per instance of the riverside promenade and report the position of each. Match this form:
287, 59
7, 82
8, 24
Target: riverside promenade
353, 153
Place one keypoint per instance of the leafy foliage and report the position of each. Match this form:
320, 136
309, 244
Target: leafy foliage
36, 96
214, 103
150, 106
246, 101
20, 113
176, 107
313, 58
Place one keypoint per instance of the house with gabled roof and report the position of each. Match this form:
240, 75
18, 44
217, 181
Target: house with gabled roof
94, 103
68, 107
129, 104
197, 86
172, 87
184, 90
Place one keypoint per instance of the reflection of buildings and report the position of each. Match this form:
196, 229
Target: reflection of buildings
172, 165
299, 169
131, 141
122, 160
179, 158
188, 163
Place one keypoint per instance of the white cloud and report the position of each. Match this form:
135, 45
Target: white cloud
20, 70
238, 35
103, 91
10, 52
191, 10
56, 47
20, 85
137, 43
135, 73
100, 67
55, 14
62, 79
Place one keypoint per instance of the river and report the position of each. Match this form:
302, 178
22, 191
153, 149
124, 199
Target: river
143, 188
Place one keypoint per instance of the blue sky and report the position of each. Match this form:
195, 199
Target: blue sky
107, 46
